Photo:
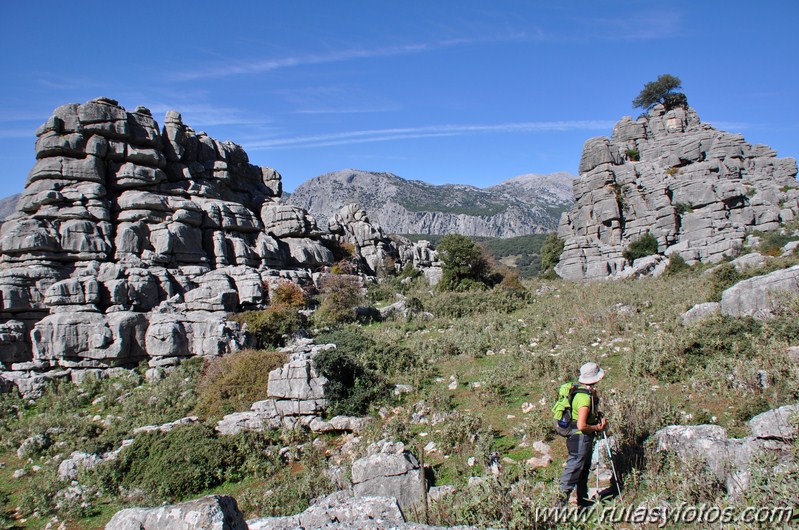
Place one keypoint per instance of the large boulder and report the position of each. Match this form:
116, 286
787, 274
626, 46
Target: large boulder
731, 459
388, 470
214, 512
761, 296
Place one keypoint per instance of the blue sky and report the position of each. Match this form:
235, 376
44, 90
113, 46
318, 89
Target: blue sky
470, 92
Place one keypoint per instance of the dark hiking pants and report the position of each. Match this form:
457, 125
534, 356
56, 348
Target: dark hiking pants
578, 466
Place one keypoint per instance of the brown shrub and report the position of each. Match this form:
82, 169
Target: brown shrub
234, 382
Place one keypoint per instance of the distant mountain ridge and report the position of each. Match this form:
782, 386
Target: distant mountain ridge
527, 204
8, 205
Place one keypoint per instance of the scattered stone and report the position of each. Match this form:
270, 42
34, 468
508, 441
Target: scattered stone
700, 312
778, 424
730, 458
33, 445
753, 260
539, 462
166, 427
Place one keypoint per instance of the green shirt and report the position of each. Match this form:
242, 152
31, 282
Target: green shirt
584, 400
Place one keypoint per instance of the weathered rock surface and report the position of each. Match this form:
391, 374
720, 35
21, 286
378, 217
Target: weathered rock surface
730, 459
214, 512
388, 470
761, 296
338, 510
295, 397
132, 242
699, 312
696, 189
342, 511
522, 205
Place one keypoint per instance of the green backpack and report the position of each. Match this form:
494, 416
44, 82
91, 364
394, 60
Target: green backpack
562, 409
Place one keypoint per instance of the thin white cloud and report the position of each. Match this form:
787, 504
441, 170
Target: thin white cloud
728, 125
406, 133
268, 65
207, 115
17, 133
351, 110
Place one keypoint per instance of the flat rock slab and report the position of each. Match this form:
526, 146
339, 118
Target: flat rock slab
214, 512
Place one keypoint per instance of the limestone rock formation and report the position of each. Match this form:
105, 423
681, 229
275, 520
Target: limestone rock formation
696, 189
761, 296
388, 470
729, 459
295, 397
132, 242
214, 512
522, 205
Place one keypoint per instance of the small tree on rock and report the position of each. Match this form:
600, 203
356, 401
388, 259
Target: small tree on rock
662, 91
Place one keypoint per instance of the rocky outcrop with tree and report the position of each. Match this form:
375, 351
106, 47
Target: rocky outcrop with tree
699, 191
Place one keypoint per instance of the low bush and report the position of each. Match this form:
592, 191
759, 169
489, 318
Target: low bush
646, 245
352, 388
676, 265
232, 383
270, 326
340, 295
723, 277
173, 465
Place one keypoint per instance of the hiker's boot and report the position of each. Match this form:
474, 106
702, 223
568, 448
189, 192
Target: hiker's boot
563, 499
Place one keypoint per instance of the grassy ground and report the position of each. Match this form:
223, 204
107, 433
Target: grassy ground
485, 370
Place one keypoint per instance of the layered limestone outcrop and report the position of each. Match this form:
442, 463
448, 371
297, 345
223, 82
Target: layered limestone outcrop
132, 242
698, 190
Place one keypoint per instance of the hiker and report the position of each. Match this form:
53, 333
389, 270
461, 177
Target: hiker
587, 421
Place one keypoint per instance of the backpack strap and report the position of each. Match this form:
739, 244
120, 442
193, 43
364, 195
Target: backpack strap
576, 389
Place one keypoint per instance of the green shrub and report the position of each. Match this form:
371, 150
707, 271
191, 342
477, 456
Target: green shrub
173, 465
234, 382
683, 208
340, 295
460, 429
676, 265
646, 245
723, 277
270, 326
550, 253
465, 265
290, 489
385, 357
352, 388
771, 243
633, 155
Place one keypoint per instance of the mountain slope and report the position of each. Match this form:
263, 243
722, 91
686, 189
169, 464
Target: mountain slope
8, 205
523, 205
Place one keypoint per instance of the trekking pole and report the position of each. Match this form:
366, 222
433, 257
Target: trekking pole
612, 465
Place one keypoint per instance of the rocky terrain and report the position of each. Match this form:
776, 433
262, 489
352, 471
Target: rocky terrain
523, 205
131, 243
698, 190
